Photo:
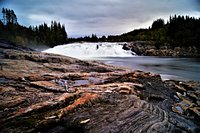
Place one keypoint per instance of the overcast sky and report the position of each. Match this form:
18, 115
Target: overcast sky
101, 17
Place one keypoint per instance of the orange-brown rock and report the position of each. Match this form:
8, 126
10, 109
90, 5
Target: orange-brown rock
42, 92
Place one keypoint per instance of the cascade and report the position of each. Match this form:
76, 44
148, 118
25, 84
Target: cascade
91, 50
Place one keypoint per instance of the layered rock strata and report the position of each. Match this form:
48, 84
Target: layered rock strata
42, 92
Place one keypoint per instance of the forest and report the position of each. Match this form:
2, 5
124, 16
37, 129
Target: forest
11, 30
177, 31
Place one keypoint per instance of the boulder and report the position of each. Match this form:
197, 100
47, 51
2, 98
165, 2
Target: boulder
126, 47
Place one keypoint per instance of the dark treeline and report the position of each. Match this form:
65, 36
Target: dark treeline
184, 31
43, 34
178, 31
92, 38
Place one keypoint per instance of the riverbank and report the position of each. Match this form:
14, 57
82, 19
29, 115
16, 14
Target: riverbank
150, 48
43, 92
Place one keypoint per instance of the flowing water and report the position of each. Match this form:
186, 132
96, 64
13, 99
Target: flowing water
169, 68
112, 53
91, 50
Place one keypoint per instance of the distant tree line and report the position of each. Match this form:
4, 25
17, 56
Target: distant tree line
52, 35
92, 38
178, 31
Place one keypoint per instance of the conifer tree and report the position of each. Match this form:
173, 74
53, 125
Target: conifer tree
4, 16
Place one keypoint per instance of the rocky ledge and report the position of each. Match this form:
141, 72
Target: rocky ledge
150, 48
42, 92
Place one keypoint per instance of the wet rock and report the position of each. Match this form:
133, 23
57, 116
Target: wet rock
148, 48
151, 52
125, 90
184, 105
126, 47
196, 110
156, 97
58, 129
85, 99
179, 88
188, 98
176, 98
194, 95
138, 86
85, 121
198, 103
9, 102
49, 85
42, 92
180, 96
177, 109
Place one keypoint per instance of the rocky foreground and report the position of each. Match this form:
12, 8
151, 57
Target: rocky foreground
42, 92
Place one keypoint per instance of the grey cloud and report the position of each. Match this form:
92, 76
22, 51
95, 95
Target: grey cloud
2, 1
197, 5
84, 17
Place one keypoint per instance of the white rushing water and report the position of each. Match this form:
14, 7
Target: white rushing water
91, 50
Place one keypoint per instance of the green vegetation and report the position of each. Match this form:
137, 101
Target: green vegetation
42, 34
178, 31
159, 23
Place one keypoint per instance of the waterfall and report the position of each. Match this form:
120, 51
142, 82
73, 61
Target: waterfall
91, 50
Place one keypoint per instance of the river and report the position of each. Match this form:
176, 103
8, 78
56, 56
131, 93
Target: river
169, 68
112, 53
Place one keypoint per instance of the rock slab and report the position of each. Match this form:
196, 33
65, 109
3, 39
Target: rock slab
42, 92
